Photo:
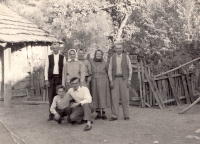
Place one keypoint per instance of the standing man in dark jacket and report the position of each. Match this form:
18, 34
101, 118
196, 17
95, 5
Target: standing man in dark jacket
53, 73
120, 74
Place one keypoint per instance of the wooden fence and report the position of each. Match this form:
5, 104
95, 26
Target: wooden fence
175, 87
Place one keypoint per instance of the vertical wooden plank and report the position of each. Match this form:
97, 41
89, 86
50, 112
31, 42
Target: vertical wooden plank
185, 90
30, 60
1, 73
142, 84
153, 90
7, 77
158, 93
173, 89
152, 102
190, 88
164, 90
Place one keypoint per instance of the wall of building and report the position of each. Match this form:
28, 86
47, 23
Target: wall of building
28, 61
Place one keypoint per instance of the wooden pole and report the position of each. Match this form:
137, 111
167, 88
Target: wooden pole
177, 67
1, 75
185, 90
30, 59
186, 109
141, 81
171, 81
153, 90
7, 77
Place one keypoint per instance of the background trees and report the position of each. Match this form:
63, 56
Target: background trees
153, 29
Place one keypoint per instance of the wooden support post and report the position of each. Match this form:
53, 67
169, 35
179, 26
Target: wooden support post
190, 88
158, 93
186, 109
142, 91
7, 77
30, 59
144, 96
185, 90
1, 75
177, 67
153, 90
173, 89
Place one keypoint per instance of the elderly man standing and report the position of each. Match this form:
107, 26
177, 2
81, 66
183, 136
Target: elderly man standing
120, 73
53, 73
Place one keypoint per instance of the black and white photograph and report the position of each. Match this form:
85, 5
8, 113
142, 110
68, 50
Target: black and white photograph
99, 71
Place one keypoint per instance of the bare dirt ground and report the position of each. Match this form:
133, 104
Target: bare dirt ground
147, 125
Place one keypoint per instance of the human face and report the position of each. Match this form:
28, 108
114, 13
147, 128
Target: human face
80, 54
55, 48
98, 55
61, 92
72, 55
118, 49
75, 84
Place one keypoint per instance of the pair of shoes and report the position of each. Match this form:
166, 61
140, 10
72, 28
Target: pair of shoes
68, 119
98, 117
127, 118
104, 117
49, 119
59, 121
82, 122
73, 122
112, 119
87, 128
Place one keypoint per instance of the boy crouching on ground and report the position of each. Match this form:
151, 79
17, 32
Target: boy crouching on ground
60, 105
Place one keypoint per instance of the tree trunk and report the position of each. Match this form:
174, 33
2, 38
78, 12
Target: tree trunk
121, 27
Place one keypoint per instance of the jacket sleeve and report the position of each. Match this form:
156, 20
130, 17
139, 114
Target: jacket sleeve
64, 74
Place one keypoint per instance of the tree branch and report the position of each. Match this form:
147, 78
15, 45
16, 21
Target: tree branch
122, 26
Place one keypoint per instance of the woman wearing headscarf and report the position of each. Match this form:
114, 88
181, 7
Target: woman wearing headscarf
73, 68
100, 84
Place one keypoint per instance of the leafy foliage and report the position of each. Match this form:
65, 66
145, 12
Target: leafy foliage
155, 30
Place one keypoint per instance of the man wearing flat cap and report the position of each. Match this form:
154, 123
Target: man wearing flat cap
120, 73
53, 73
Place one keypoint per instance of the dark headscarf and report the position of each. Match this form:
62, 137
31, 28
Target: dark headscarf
98, 60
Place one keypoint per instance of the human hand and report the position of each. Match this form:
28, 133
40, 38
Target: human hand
128, 84
112, 85
47, 83
75, 104
56, 116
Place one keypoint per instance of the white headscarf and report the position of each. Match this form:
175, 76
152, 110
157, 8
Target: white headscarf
76, 57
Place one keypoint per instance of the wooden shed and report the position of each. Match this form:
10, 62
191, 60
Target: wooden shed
23, 50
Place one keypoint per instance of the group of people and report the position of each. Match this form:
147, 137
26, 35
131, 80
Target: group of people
78, 87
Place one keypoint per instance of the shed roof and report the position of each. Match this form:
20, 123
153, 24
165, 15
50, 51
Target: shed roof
15, 29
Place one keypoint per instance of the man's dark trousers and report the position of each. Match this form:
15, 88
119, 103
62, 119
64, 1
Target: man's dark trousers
54, 81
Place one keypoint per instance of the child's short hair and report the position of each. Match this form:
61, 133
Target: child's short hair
59, 87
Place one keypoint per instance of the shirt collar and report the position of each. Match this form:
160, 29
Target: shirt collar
71, 60
60, 96
56, 55
78, 89
119, 55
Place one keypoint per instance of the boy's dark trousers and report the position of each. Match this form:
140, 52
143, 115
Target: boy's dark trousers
63, 112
